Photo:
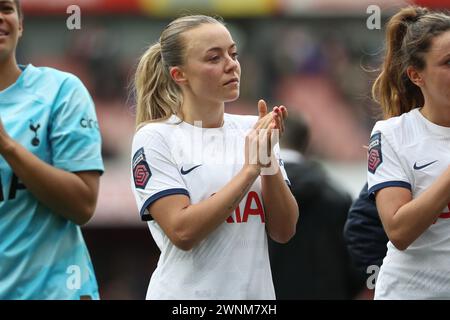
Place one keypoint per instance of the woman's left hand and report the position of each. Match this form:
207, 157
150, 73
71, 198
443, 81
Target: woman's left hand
273, 120
280, 114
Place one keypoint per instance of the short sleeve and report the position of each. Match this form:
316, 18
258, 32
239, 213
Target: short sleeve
154, 173
74, 135
384, 165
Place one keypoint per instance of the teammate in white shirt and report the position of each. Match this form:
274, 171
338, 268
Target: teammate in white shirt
408, 165
198, 184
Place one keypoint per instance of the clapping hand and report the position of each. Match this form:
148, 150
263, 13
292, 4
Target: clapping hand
264, 135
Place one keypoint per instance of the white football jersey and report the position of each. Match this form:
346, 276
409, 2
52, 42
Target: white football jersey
410, 151
174, 157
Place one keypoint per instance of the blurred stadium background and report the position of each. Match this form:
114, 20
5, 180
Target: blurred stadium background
311, 55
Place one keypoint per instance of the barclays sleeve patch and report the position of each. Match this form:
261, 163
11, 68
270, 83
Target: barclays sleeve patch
375, 157
141, 170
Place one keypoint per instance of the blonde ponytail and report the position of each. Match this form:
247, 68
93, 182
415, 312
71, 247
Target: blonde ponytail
157, 95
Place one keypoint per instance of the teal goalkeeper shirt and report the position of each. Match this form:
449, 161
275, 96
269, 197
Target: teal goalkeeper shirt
43, 255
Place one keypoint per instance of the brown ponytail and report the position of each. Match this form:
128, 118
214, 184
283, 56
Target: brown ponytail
18, 8
408, 38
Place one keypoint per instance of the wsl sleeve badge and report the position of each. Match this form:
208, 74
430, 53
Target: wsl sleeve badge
141, 170
375, 157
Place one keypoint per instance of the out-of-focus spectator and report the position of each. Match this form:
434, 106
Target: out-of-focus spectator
315, 263
99, 51
364, 234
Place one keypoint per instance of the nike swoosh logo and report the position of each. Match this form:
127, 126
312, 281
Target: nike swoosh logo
416, 167
183, 172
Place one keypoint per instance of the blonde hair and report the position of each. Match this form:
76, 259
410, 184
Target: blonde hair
157, 95
408, 38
